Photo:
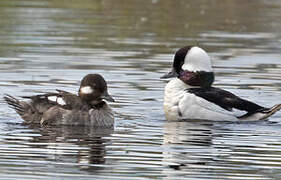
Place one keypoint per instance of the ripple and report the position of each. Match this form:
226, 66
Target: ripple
47, 45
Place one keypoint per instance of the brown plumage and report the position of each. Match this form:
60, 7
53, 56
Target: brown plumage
86, 108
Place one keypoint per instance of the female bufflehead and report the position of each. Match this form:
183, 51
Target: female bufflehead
65, 108
191, 95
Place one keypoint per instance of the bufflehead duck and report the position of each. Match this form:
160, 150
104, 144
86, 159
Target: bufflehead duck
65, 108
191, 95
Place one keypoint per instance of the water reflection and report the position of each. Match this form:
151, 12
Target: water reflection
81, 146
199, 149
185, 140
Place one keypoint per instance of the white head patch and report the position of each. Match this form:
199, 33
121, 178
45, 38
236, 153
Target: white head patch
86, 90
197, 60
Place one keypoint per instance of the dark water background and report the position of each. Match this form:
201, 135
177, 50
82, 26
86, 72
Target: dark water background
51, 44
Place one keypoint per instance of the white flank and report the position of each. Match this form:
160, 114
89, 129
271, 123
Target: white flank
254, 117
197, 60
52, 98
60, 101
86, 90
179, 104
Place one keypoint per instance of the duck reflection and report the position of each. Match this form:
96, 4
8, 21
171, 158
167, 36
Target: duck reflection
84, 146
186, 143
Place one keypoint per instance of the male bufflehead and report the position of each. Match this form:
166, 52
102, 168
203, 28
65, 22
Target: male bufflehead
65, 108
191, 95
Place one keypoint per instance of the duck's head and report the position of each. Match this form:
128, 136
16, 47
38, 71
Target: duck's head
193, 66
93, 89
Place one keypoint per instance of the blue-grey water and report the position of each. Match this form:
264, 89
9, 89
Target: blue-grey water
52, 44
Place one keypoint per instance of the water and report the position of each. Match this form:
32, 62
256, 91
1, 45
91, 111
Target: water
51, 44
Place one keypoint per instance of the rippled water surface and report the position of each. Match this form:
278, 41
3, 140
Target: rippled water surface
51, 44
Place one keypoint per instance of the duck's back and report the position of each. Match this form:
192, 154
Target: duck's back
89, 116
61, 108
45, 105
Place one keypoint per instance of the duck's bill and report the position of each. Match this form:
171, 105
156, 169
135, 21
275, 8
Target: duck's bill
171, 74
107, 97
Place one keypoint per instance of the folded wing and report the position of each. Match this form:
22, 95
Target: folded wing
225, 99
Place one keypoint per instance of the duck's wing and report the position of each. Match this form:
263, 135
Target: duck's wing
45, 106
225, 99
72, 101
62, 98
228, 101
49, 99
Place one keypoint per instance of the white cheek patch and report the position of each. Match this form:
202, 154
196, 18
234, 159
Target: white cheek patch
86, 90
197, 60
58, 100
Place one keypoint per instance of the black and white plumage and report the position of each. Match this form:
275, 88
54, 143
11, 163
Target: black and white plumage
191, 95
65, 108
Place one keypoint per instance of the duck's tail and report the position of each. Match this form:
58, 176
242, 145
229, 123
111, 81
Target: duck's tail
260, 114
14, 103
